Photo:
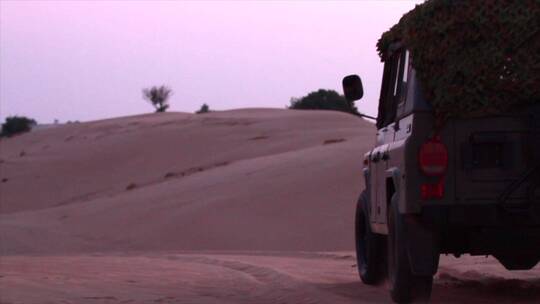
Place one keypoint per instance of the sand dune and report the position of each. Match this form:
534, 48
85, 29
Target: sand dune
234, 180
244, 206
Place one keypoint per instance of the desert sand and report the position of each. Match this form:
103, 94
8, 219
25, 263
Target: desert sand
243, 206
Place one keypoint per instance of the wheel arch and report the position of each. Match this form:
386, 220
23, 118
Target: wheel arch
422, 243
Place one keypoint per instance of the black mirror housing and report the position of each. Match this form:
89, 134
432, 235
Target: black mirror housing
352, 88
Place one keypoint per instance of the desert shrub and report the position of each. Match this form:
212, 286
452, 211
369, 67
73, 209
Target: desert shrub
16, 124
204, 109
158, 97
323, 100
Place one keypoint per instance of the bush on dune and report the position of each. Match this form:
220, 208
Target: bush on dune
204, 109
16, 125
323, 100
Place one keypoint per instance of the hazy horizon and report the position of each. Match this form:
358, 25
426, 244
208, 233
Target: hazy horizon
89, 60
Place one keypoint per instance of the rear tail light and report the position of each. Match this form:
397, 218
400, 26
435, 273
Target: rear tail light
433, 161
433, 157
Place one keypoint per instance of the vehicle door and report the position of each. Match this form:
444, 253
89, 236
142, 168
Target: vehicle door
390, 92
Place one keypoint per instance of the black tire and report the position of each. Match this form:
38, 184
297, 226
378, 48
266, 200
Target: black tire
405, 287
369, 246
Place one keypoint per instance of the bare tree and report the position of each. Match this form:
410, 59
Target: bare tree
158, 96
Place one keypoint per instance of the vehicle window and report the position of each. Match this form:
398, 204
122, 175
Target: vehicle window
397, 80
400, 77
393, 90
406, 65
405, 78
396, 88
385, 87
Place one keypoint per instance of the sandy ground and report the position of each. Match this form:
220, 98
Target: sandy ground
254, 277
245, 206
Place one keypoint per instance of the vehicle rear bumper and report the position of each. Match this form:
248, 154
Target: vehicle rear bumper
485, 215
484, 229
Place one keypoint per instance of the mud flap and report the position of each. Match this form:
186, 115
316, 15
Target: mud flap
422, 247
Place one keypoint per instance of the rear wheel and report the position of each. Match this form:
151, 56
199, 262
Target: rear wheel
369, 246
404, 285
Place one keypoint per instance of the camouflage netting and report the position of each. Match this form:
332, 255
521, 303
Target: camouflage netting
474, 58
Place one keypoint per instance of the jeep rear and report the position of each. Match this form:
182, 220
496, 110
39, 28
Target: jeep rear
465, 186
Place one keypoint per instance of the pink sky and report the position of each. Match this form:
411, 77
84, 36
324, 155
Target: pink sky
88, 60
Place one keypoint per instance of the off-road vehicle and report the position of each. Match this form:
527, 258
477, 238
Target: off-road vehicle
468, 186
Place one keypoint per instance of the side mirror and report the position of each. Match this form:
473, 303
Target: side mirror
352, 88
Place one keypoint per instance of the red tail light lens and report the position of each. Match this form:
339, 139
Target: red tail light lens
432, 191
433, 157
